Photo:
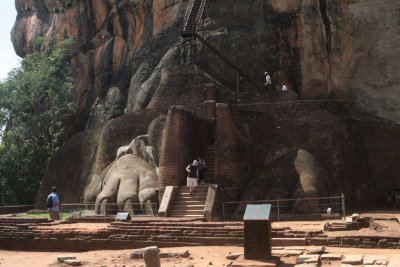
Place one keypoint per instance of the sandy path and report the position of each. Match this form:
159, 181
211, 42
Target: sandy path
199, 256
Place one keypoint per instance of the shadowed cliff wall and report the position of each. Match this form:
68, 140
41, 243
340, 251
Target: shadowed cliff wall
348, 49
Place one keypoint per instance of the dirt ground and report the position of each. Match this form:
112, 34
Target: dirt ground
199, 256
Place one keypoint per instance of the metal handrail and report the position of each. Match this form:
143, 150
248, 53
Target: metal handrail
278, 206
154, 206
187, 14
200, 14
282, 200
226, 60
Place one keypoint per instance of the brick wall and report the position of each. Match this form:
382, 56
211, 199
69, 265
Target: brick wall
185, 136
232, 149
15, 209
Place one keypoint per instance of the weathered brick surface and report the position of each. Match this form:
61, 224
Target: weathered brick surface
42, 233
15, 209
185, 137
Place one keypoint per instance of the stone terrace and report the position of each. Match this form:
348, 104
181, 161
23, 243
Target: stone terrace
145, 231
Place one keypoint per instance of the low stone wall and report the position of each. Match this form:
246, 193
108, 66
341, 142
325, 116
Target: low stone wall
356, 242
15, 209
45, 234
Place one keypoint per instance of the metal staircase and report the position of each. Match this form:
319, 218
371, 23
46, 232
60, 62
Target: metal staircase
193, 16
191, 24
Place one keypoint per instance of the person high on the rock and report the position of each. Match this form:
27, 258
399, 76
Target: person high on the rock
284, 87
268, 80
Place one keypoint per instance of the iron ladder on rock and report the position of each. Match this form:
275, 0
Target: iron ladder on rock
193, 16
191, 25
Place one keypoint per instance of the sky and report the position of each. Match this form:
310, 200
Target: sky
8, 58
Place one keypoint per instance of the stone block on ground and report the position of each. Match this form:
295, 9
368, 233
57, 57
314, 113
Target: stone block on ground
73, 262
353, 259
286, 252
331, 257
233, 256
306, 265
174, 254
346, 265
151, 257
319, 250
62, 258
307, 259
394, 261
137, 254
375, 260
242, 262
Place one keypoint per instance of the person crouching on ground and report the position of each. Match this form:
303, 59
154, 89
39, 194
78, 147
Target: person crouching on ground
54, 211
193, 175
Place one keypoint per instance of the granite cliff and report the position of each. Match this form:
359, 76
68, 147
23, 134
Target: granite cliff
321, 48
127, 69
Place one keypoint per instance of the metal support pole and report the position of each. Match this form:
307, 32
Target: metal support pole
279, 217
61, 209
192, 50
183, 52
237, 81
223, 210
343, 207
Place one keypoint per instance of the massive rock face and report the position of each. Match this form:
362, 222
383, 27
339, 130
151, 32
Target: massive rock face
126, 69
121, 47
344, 48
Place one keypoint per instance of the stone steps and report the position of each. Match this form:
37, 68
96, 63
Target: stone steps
189, 205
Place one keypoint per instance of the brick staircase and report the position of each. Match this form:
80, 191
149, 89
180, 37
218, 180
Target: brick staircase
209, 157
186, 205
181, 232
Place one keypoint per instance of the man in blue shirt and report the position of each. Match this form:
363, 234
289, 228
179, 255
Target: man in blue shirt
54, 211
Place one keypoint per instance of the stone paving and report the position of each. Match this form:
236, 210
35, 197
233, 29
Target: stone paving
298, 257
329, 259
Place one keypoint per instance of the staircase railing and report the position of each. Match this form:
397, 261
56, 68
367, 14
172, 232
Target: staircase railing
200, 13
194, 34
187, 14
226, 60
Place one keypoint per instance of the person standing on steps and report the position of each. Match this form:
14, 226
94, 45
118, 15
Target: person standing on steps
53, 204
193, 175
202, 168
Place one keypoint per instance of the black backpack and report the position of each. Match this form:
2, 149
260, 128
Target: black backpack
49, 202
202, 168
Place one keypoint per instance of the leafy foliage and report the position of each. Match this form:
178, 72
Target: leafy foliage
35, 101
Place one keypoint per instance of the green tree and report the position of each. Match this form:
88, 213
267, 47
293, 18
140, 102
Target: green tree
36, 99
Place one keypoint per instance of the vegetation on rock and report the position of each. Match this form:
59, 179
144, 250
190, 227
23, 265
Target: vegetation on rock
36, 99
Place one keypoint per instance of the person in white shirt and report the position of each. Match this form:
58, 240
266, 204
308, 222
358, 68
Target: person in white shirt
284, 87
267, 79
